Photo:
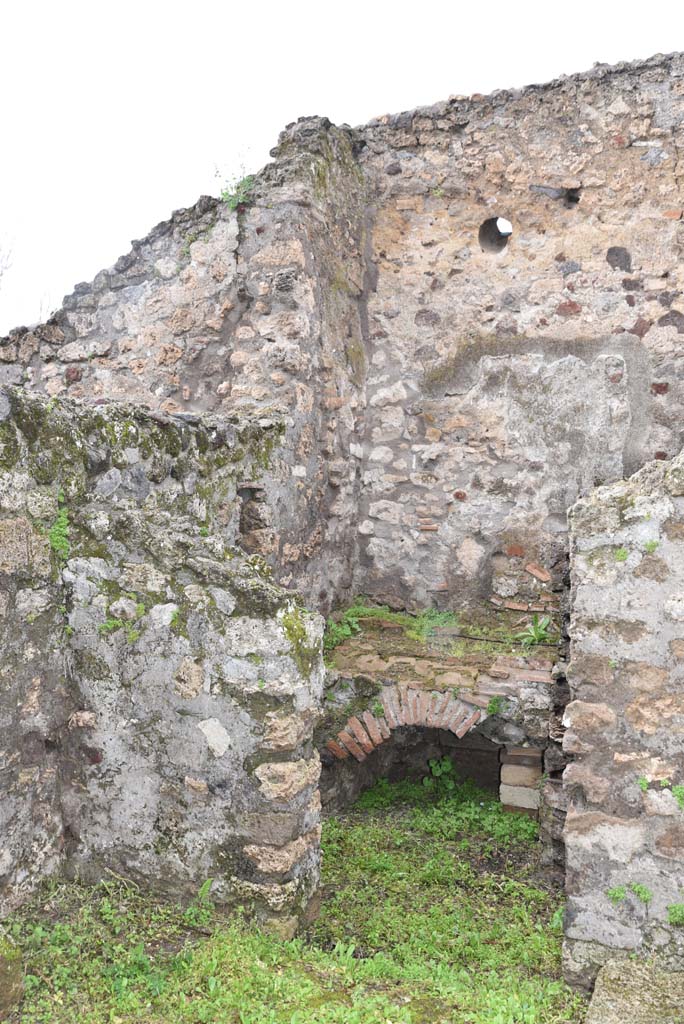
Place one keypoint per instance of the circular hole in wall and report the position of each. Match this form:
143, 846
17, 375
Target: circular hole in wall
494, 234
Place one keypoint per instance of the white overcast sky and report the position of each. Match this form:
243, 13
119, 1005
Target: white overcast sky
114, 114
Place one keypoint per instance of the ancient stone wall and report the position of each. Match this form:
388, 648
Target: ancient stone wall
624, 832
159, 691
502, 385
257, 309
354, 380
445, 404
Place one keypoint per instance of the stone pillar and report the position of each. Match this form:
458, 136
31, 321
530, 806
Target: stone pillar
624, 832
160, 691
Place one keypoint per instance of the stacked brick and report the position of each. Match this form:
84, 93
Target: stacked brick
521, 776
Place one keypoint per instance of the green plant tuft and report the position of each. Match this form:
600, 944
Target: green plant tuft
641, 892
675, 914
110, 626
617, 894
240, 193
200, 913
58, 534
536, 632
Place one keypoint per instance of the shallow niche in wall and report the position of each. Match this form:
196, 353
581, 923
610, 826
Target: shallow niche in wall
494, 234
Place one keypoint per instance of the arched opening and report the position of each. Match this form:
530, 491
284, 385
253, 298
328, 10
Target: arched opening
403, 691
426, 746
406, 729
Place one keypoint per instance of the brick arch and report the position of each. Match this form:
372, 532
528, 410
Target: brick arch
403, 706
406, 705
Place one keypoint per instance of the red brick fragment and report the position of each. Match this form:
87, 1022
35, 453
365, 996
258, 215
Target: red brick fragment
660, 387
391, 710
354, 726
339, 751
641, 327
481, 700
437, 709
468, 724
538, 571
673, 214
568, 308
372, 727
351, 745
423, 707
515, 550
447, 713
457, 712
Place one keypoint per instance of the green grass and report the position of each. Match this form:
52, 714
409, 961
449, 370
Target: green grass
431, 915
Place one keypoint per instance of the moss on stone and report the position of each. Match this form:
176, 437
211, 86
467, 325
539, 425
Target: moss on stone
58, 535
356, 356
304, 654
10, 449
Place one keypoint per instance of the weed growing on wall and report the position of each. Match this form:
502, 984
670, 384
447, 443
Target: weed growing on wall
641, 892
239, 193
538, 631
495, 706
617, 894
675, 914
416, 627
58, 534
